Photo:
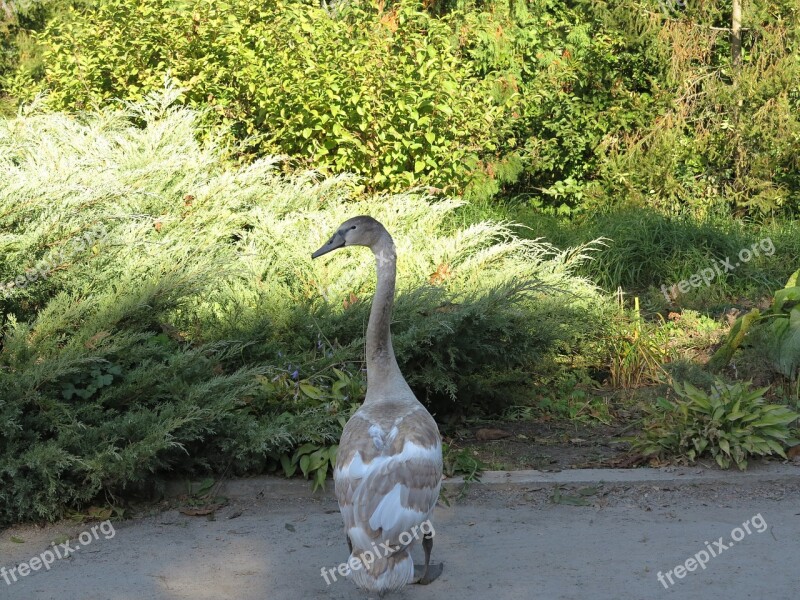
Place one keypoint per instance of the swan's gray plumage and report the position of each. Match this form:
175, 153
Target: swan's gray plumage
389, 464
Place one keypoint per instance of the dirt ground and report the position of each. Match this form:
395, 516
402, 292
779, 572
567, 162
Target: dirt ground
545, 445
605, 541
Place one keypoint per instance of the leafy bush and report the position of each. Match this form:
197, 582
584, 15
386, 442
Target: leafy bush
379, 93
570, 106
580, 81
621, 102
197, 335
731, 423
729, 137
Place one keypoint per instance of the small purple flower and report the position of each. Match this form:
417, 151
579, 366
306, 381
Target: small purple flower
296, 375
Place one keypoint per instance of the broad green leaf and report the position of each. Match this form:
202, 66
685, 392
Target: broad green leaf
289, 468
311, 391
305, 461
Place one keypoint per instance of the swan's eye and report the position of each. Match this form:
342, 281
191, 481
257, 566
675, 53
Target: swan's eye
353, 227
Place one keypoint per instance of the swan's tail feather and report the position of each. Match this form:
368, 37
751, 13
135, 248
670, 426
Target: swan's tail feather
382, 573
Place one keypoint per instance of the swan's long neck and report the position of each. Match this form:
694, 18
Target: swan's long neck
384, 379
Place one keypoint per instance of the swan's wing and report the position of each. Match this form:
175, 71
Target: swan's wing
387, 482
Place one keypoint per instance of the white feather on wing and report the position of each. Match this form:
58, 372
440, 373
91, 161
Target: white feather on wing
388, 484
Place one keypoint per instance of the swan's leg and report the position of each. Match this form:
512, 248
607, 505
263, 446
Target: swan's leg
427, 573
349, 543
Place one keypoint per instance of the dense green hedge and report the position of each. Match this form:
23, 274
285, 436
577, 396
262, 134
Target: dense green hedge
569, 105
161, 312
381, 95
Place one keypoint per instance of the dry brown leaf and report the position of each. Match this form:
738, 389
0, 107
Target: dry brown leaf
348, 302
200, 511
485, 435
442, 273
627, 462
92, 342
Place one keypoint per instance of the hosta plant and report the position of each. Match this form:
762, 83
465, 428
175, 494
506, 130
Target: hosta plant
779, 330
731, 424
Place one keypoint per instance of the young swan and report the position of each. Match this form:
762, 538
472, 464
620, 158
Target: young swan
389, 464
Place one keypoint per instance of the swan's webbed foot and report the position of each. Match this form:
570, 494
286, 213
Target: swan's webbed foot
424, 575
427, 573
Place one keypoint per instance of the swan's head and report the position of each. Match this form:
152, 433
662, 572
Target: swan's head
358, 231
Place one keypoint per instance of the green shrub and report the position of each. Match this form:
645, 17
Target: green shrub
623, 102
732, 423
729, 138
197, 335
570, 106
382, 94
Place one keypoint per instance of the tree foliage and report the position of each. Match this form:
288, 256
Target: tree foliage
379, 93
573, 106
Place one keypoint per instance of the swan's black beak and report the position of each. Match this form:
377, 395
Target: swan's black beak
337, 241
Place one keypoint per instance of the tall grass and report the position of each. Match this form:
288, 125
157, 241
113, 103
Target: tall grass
646, 249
